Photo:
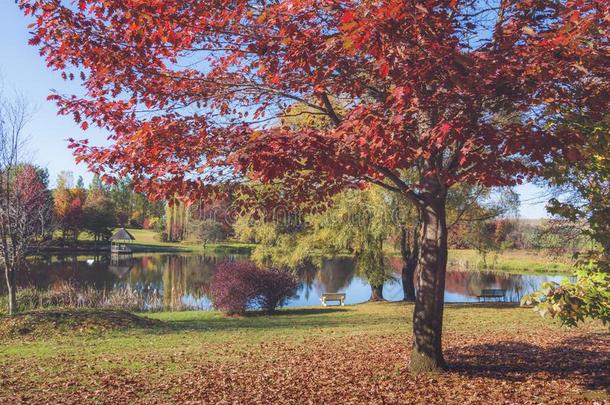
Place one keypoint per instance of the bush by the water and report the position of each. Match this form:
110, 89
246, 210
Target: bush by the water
239, 286
276, 287
233, 287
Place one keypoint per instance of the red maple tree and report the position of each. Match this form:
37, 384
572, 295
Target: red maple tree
419, 95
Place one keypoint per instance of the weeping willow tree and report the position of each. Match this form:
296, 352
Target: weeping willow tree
357, 223
372, 265
363, 223
360, 221
177, 215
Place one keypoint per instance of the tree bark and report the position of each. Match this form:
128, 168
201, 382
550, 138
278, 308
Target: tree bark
376, 293
12, 290
409, 254
427, 354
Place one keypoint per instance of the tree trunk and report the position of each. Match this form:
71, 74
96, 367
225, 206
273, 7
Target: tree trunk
12, 290
409, 256
376, 293
427, 354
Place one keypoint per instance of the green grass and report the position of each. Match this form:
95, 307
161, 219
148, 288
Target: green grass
148, 241
517, 261
72, 354
208, 331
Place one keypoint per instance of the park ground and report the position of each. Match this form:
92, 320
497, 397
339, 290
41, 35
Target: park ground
146, 240
356, 354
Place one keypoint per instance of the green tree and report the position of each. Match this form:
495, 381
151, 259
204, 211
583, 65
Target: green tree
96, 183
583, 182
359, 221
80, 183
121, 194
211, 231
356, 222
99, 215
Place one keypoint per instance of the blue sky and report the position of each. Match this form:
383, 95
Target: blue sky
22, 69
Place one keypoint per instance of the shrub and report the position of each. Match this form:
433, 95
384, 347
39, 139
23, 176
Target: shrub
239, 286
574, 301
234, 287
275, 288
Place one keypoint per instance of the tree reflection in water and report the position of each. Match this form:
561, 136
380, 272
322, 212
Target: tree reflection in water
181, 281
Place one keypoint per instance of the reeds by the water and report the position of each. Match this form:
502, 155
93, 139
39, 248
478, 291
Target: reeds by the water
68, 295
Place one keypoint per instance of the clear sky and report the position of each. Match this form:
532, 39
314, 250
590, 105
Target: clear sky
22, 69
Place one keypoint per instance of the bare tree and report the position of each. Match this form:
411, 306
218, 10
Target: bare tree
24, 202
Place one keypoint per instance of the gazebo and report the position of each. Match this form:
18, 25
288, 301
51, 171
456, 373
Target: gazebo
119, 242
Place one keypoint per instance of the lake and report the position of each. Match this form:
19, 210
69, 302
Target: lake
181, 280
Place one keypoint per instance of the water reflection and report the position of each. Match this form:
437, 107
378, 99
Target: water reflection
182, 280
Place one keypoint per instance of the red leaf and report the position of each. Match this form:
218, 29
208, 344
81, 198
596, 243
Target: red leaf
384, 70
347, 17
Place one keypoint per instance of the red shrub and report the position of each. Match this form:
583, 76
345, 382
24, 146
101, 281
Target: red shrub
275, 288
239, 286
233, 287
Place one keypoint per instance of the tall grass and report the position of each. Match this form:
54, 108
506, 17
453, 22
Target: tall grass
68, 295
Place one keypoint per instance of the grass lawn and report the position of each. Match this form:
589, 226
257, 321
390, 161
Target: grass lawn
148, 241
355, 354
519, 261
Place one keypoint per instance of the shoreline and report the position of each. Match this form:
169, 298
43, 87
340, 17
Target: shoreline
552, 269
509, 261
142, 248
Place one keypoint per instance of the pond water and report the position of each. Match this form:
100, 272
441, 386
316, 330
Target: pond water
180, 280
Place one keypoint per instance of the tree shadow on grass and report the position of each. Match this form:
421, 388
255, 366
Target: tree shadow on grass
298, 318
583, 360
299, 311
488, 304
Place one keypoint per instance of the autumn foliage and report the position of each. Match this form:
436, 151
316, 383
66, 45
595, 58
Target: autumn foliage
417, 96
31, 192
68, 210
392, 63
239, 286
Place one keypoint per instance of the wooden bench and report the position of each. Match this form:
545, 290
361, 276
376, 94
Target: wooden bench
492, 293
337, 297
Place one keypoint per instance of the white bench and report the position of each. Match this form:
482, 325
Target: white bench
336, 297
